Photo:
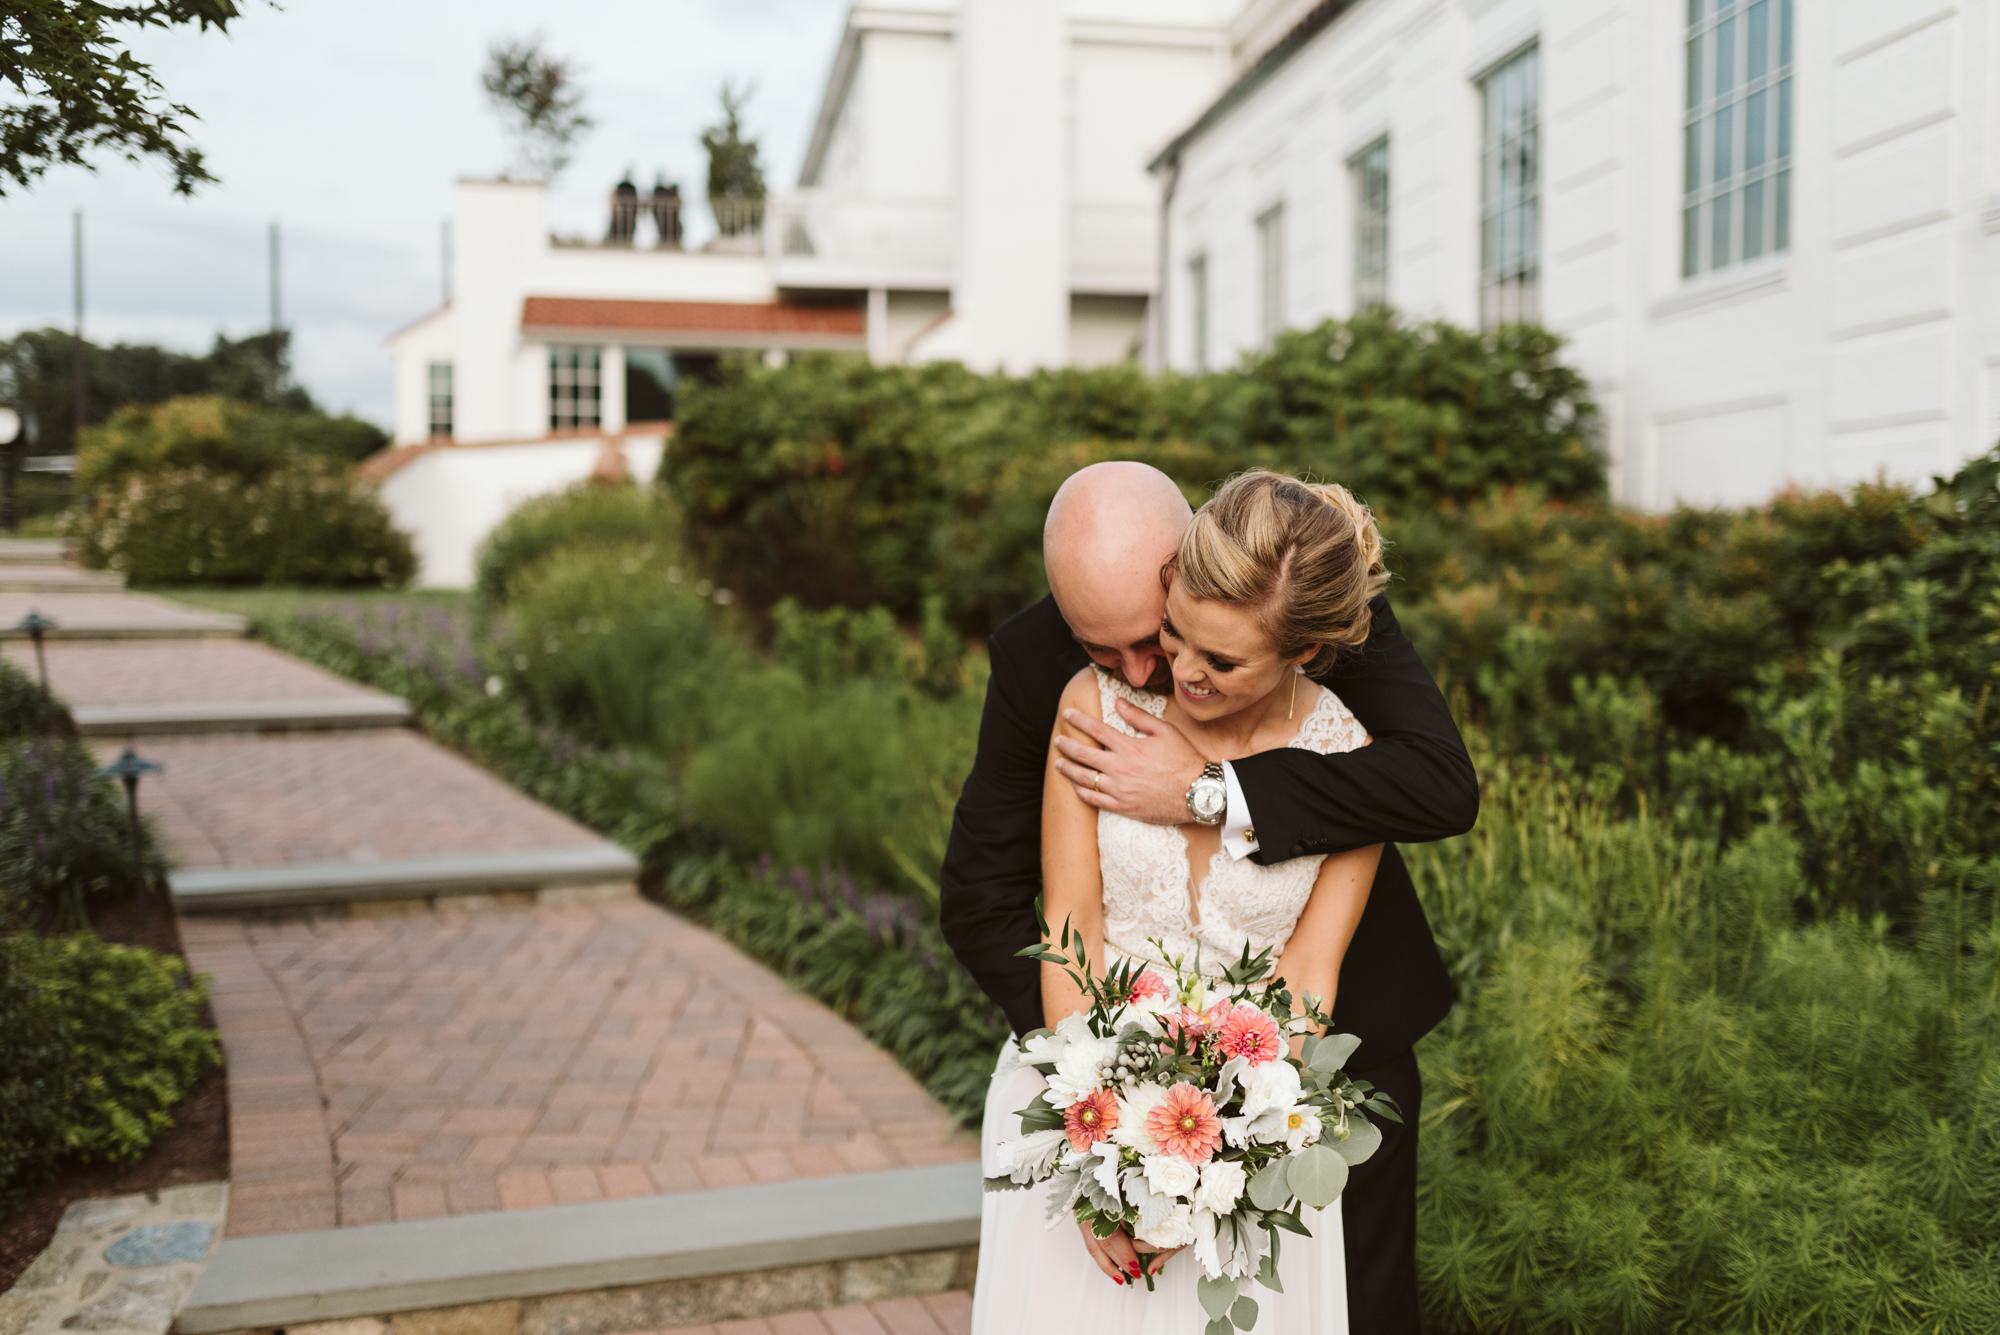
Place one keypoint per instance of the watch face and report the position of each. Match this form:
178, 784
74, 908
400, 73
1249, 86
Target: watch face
1208, 800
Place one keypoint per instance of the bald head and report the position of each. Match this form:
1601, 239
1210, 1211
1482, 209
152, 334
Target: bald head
1110, 529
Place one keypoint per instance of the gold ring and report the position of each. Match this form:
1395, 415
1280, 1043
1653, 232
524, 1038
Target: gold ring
1097, 782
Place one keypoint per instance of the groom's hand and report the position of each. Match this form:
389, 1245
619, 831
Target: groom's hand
1144, 777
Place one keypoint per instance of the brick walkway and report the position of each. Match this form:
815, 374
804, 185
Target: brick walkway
942, 1314
181, 672
89, 610
471, 1059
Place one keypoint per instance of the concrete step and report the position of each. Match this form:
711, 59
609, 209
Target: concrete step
651, 1263
154, 720
109, 615
25, 577
289, 885
32, 551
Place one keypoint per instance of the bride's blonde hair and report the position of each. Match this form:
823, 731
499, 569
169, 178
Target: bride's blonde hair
1304, 555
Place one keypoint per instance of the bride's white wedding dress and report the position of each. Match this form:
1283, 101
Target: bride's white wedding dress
1034, 1280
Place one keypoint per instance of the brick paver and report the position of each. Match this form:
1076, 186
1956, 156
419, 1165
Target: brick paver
527, 1055
367, 795
179, 672
102, 609
939, 1314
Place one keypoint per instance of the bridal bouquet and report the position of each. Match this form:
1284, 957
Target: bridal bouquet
1176, 1109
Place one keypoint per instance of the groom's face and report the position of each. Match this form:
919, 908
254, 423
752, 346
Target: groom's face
1125, 639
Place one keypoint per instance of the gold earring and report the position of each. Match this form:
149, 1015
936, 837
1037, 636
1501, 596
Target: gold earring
1295, 696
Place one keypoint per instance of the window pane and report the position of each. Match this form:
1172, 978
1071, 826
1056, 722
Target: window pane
1755, 131
1694, 71
1785, 32
1785, 119
1510, 241
1693, 150
1723, 139
1725, 56
1758, 39
1690, 241
1753, 220
1718, 232
1783, 237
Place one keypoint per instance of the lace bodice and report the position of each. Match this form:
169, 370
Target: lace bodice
1146, 871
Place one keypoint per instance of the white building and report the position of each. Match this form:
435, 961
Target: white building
1771, 228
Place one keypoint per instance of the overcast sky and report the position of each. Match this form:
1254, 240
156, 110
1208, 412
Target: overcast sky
347, 121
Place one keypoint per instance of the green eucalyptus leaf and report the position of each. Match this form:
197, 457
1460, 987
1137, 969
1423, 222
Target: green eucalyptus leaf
1363, 1139
1333, 1051
1268, 1190
1219, 1326
1216, 1296
1244, 1313
1316, 1175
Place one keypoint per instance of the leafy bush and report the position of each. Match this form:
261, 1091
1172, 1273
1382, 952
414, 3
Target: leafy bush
308, 523
27, 710
589, 515
836, 482
216, 434
65, 835
103, 1042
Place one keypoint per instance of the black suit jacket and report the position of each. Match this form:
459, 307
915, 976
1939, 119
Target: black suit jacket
1415, 783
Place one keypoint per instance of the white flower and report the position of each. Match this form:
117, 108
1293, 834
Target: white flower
1031, 1157
1221, 1184
1132, 1109
1170, 1176
1302, 1127
1043, 1049
1174, 1229
1081, 1069
1272, 1087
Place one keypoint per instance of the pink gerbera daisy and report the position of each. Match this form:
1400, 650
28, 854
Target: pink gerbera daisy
1193, 1023
1250, 1034
1090, 1119
1184, 1124
1145, 985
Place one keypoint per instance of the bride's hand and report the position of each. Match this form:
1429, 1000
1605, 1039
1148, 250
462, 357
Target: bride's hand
1119, 1257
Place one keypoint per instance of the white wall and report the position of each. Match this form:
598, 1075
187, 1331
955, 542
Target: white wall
1872, 346
450, 497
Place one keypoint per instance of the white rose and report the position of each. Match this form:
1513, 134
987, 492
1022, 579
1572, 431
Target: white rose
1272, 1087
1132, 1109
1174, 1229
1080, 1070
1221, 1184
1170, 1176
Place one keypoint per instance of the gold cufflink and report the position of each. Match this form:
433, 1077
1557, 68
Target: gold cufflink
1249, 836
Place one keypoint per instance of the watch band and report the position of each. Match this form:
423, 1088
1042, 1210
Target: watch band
1211, 774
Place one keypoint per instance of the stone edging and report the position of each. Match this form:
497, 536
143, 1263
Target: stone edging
119, 1263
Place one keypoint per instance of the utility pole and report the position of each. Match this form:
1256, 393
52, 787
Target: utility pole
277, 318
78, 368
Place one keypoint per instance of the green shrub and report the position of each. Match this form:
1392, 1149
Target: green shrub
835, 482
65, 835
588, 515
218, 435
308, 523
102, 1043
27, 710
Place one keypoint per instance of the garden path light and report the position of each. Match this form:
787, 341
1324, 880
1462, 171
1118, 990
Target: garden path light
35, 625
129, 767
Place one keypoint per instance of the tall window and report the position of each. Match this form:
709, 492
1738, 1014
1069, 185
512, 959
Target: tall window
574, 385
1198, 309
1510, 242
440, 391
1738, 180
1271, 271
1371, 225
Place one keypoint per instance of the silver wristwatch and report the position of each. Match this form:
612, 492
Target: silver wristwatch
1208, 796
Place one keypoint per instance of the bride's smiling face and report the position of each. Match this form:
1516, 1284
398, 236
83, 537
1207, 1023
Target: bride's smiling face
1222, 661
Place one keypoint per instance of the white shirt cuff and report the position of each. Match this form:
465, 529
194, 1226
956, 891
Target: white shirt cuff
1239, 837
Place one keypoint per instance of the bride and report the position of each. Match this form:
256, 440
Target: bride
1270, 574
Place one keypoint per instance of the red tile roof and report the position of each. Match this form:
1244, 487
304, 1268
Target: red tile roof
727, 318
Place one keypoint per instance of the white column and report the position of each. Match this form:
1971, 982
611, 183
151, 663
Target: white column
878, 325
611, 388
1011, 293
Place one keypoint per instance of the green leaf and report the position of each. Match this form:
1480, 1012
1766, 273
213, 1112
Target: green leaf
1285, 1219
1219, 1326
1244, 1313
1316, 1175
1363, 1139
1216, 1296
1268, 1190
1384, 1106
1267, 1272
1307, 1048
1004, 1184
1333, 1052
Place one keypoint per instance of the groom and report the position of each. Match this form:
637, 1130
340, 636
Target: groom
1110, 529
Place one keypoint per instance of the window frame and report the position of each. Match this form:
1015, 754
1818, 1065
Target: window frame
433, 399
1721, 123
1270, 224
584, 385
1372, 222
1510, 258
1198, 309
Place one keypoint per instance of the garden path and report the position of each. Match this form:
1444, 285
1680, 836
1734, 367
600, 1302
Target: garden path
464, 1052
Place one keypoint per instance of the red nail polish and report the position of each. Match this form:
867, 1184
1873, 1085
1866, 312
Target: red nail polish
1134, 1268
1118, 1279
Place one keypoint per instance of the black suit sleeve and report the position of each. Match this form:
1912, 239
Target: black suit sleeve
993, 865
1414, 784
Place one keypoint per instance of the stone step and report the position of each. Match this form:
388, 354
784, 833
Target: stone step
647, 1264
32, 551
228, 889
28, 577
154, 720
107, 615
